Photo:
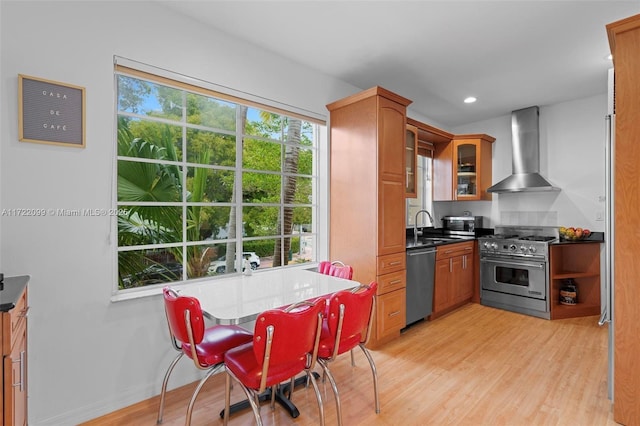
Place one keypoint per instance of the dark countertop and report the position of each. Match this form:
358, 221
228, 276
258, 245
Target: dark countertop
434, 237
595, 237
11, 290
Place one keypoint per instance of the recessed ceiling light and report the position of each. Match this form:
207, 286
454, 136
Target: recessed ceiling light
470, 100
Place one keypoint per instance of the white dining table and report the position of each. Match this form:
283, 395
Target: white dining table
238, 299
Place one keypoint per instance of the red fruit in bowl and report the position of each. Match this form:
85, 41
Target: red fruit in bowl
586, 233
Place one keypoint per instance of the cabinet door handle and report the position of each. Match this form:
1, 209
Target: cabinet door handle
464, 262
21, 361
397, 262
450, 265
394, 313
468, 249
395, 282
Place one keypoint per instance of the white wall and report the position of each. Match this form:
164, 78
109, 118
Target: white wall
88, 355
571, 157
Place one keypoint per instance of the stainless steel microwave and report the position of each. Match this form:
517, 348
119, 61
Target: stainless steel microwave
465, 225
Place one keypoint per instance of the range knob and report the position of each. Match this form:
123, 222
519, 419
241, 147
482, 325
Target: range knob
523, 249
512, 247
494, 246
487, 245
532, 249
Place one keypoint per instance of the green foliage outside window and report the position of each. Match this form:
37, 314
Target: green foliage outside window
179, 156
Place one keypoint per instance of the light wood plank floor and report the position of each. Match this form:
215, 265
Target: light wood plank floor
475, 366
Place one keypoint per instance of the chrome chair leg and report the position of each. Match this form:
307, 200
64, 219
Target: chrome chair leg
319, 398
197, 391
227, 399
163, 392
327, 373
353, 361
375, 376
251, 397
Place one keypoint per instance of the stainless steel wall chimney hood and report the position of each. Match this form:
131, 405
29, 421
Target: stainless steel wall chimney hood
525, 139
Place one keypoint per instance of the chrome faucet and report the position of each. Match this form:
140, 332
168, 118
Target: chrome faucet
415, 224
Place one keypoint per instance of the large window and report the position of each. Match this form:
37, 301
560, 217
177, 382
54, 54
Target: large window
208, 184
424, 198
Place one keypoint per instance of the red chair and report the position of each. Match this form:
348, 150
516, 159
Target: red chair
285, 343
336, 269
347, 326
205, 346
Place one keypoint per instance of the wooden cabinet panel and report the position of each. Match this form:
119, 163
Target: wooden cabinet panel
391, 313
392, 218
391, 140
14, 363
463, 287
391, 282
15, 381
454, 277
442, 290
624, 39
392, 263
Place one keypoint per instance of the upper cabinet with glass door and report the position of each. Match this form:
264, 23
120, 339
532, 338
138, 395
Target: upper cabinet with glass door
463, 168
411, 154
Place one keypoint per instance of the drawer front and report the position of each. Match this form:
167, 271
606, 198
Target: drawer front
392, 282
391, 313
391, 263
14, 320
452, 250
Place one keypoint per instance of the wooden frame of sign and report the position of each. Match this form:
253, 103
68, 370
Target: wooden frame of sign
51, 112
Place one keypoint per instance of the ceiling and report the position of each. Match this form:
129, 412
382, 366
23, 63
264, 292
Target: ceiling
509, 54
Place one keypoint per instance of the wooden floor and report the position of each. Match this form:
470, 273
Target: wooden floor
475, 366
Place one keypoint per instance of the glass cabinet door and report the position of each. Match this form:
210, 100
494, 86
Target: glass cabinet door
466, 169
411, 154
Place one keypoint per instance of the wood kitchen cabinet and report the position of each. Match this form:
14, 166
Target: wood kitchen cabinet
624, 39
462, 168
367, 214
411, 159
581, 262
14, 361
454, 277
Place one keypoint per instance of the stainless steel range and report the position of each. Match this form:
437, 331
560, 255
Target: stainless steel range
514, 269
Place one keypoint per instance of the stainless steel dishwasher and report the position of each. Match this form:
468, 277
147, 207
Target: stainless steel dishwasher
420, 275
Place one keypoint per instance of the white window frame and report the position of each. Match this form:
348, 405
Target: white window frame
155, 75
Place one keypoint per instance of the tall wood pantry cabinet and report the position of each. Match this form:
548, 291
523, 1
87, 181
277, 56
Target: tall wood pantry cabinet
624, 40
367, 186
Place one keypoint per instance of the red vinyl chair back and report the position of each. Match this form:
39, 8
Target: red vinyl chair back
324, 267
336, 269
185, 317
292, 347
349, 319
285, 343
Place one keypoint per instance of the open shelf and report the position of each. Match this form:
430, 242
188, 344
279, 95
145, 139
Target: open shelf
580, 262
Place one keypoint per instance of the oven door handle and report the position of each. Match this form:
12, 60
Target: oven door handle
510, 263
